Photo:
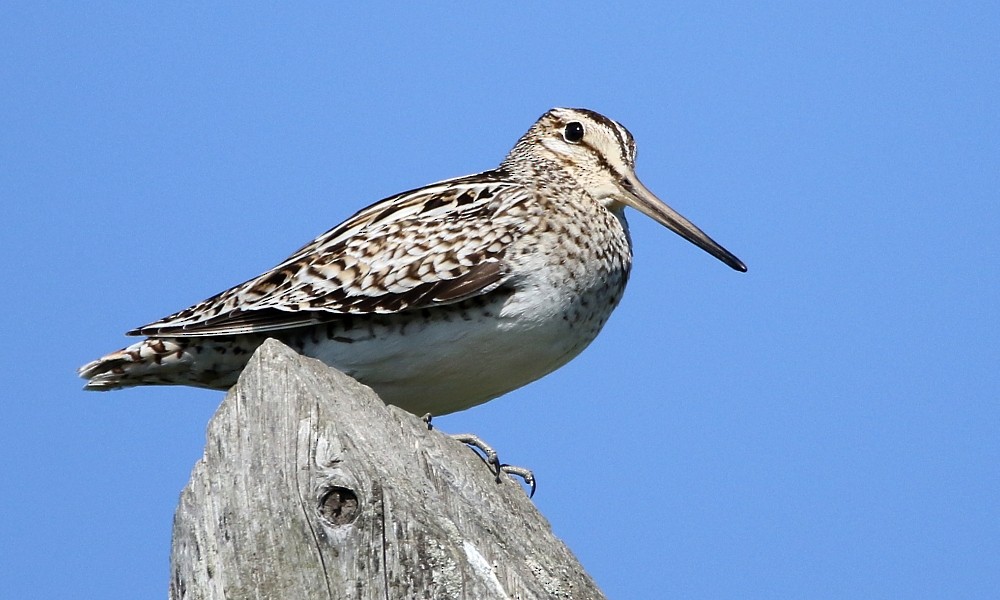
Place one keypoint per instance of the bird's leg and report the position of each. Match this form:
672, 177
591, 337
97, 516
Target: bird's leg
475, 441
491, 457
493, 460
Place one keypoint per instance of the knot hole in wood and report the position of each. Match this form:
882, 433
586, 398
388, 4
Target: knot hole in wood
339, 505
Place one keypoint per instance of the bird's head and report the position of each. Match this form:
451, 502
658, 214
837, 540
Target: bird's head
599, 154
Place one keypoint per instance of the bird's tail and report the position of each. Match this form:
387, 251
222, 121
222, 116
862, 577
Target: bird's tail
166, 361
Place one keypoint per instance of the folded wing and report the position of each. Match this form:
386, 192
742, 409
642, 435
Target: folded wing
436, 245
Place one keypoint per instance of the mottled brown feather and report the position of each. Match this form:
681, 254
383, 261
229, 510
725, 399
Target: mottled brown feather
432, 246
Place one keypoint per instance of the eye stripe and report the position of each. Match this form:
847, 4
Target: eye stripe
622, 146
603, 162
625, 140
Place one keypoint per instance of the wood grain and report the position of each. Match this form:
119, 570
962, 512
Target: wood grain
311, 487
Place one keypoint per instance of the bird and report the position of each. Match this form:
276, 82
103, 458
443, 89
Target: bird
442, 297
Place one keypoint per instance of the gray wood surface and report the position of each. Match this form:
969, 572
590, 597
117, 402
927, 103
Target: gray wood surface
311, 487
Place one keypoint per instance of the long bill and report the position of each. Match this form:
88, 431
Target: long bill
640, 198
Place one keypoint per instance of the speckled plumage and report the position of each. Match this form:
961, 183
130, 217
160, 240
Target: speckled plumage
442, 297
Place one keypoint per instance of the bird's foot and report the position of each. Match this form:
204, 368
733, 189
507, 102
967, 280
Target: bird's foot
493, 460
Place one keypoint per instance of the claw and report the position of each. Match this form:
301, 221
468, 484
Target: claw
493, 460
525, 474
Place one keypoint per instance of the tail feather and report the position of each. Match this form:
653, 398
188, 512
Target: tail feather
166, 361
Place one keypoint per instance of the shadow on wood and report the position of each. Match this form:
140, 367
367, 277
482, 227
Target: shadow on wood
311, 487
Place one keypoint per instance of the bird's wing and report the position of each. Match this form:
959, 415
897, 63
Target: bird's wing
436, 245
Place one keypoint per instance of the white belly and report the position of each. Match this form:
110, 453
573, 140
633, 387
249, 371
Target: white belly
446, 360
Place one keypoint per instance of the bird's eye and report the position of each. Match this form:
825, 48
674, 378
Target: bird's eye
573, 132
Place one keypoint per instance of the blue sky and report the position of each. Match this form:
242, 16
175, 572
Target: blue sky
824, 426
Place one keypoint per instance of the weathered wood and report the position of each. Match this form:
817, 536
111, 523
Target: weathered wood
311, 487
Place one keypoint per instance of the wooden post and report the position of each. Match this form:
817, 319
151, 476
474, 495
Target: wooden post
311, 487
